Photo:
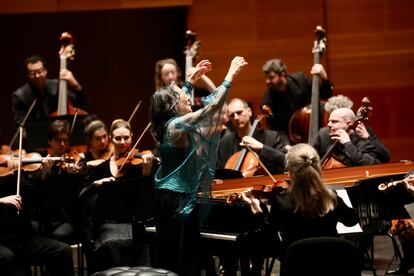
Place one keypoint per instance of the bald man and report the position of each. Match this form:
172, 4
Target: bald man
352, 150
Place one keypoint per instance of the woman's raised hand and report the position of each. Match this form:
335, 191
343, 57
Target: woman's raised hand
236, 65
201, 68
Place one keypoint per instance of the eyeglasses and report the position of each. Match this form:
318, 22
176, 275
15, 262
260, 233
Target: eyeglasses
33, 73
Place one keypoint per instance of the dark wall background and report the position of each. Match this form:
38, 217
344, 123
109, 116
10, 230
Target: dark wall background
116, 51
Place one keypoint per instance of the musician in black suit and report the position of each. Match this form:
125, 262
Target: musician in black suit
366, 133
266, 143
20, 245
45, 90
287, 93
351, 149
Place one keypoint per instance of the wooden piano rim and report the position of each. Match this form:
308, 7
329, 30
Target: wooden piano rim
341, 176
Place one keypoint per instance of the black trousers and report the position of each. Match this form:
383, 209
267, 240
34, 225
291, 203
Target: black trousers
36, 250
177, 240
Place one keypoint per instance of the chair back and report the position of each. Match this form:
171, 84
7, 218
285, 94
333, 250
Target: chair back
321, 256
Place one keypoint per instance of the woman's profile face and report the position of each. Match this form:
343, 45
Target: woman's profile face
183, 105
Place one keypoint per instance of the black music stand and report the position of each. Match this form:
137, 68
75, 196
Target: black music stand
36, 131
227, 174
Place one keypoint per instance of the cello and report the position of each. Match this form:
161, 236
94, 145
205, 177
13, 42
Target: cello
66, 53
304, 123
245, 161
329, 160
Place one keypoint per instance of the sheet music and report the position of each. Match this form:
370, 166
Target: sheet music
342, 229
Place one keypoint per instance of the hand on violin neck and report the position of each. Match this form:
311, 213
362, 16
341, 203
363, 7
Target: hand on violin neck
253, 202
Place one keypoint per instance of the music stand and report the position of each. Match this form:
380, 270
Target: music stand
36, 131
128, 200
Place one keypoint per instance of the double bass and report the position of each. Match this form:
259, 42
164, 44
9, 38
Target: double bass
66, 53
191, 52
304, 123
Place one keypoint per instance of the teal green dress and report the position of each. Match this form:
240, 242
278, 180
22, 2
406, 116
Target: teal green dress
191, 169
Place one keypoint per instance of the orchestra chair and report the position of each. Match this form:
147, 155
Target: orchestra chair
321, 256
135, 271
122, 206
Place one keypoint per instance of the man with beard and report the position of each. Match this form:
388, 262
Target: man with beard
287, 93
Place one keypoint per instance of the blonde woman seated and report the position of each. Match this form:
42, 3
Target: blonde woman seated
308, 208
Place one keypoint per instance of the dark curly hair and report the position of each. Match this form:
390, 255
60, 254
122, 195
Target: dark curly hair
162, 109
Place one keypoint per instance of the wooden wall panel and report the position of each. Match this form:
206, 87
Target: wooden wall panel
30, 6
370, 51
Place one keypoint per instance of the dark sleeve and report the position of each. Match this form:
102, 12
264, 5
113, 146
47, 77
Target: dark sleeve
360, 152
384, 155
272, 153
225, 149
79, 99
18, 108
347, 215
326, 89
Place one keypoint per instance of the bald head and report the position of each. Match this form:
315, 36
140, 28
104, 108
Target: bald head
345, 113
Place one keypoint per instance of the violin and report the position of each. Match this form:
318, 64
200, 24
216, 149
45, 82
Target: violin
31, 162
403, 228
134, 159
262, 192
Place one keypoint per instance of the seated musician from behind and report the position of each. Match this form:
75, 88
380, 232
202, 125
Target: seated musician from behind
366, 133
351, 150
20, 245
266, 143
309, 208
98, 141
60, 184
113, 243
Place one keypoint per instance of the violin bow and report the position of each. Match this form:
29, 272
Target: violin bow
22, 124
261, 163
134, 147
19, 173
74, 120
134, 111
